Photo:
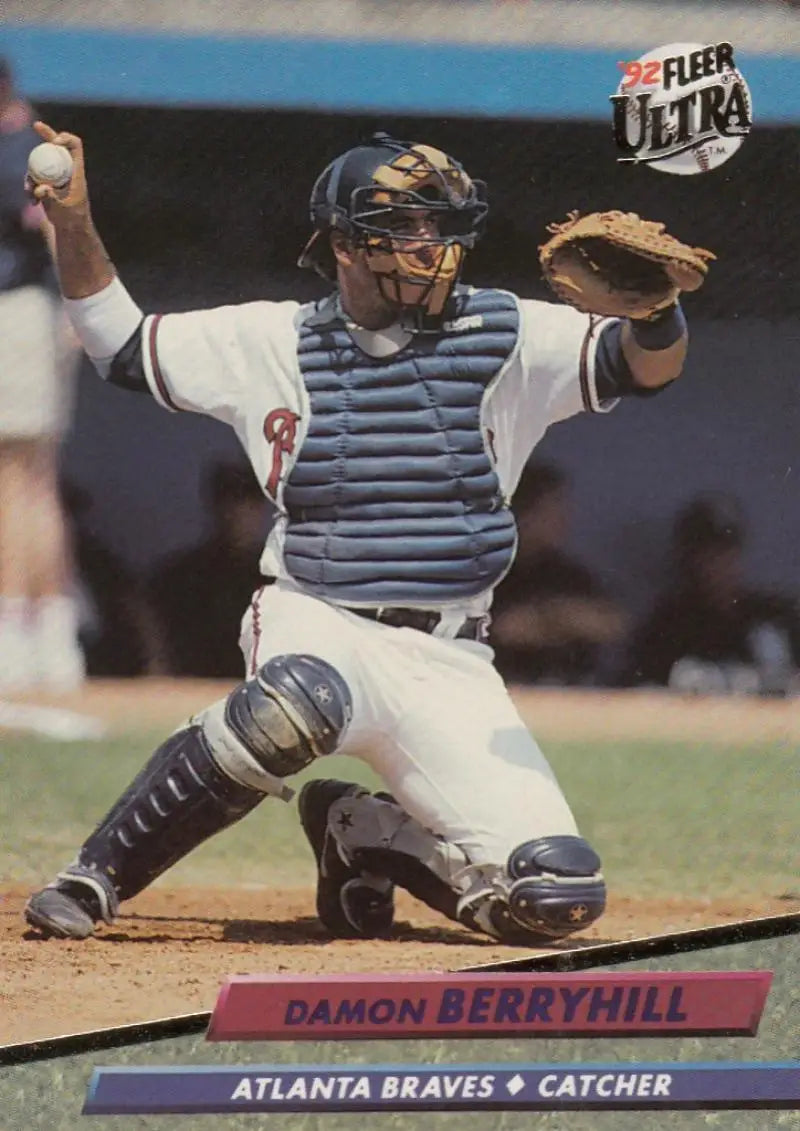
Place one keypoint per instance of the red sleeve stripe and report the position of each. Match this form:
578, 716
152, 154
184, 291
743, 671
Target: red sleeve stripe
158, 376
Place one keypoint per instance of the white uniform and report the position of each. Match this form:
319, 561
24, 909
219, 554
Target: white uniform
430, 714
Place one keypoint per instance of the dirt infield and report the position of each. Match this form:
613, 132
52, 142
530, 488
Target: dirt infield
172, 949
551, 714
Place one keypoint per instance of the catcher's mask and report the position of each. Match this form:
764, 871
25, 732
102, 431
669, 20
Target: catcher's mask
368, 191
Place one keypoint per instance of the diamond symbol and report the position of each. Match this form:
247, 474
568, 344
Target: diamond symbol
515, 1084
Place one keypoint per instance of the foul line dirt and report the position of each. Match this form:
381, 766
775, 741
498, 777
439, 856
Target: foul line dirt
172, 949
558, 714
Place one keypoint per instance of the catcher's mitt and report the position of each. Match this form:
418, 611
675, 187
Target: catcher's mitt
616, 263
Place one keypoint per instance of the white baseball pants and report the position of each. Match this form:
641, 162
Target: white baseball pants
430, 716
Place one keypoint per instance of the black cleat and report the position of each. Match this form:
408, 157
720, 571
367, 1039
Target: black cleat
70, 907
350, 904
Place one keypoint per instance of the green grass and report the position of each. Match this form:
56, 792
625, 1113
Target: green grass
48, 1096
688, 820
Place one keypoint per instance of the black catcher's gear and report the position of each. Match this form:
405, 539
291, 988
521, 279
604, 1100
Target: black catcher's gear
363, 192
557, 886
204, 778
351, 903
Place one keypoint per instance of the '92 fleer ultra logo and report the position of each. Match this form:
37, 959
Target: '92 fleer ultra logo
683, 108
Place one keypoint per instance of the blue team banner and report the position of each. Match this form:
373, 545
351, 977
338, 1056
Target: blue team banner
347, 75
476, 1087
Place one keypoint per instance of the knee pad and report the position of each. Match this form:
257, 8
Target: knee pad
556, 885
295, 709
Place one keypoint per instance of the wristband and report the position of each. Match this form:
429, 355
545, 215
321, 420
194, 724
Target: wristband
104, 321
660, 331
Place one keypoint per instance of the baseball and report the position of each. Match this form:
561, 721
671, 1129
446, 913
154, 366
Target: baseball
50, 164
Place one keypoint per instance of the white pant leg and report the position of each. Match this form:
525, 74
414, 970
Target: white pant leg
431, 717
282, 621
461, 761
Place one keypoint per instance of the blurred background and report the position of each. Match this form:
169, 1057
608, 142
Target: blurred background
660, 545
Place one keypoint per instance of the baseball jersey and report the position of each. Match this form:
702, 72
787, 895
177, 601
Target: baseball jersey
244, 365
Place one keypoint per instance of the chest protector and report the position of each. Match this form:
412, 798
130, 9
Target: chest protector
393, 499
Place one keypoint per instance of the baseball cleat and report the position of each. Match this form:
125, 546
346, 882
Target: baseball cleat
70, 907
59, 915
350, 904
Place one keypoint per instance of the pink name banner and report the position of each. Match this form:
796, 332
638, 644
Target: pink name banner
288, 1007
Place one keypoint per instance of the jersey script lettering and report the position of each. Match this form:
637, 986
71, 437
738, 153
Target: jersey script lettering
280, 429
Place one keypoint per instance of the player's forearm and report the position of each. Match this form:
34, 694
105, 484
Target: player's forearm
84, 266
655, 351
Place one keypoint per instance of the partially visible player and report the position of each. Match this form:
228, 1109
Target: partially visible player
38, 619
389, 423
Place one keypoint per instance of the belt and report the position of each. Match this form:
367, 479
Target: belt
473, 628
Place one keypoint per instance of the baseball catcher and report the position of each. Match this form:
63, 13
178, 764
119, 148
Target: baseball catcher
389, 423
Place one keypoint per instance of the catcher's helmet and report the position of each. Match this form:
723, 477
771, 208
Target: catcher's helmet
358, 194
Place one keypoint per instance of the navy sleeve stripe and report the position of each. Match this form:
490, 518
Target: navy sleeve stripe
127, 367
613, 376
583, 367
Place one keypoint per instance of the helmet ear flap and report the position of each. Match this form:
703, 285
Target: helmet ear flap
319, 256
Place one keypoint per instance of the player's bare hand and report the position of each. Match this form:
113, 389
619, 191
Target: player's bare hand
72, 200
